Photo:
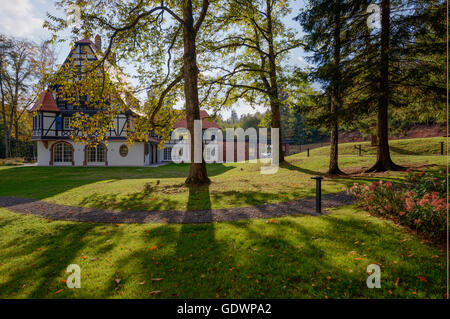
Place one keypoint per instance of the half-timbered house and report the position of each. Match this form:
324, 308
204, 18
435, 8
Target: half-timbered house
52, 129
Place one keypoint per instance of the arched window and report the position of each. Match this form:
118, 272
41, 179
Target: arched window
62, 153
96, 153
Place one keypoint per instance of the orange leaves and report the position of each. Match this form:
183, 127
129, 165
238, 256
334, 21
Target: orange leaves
154, 247
57, 292
422, 278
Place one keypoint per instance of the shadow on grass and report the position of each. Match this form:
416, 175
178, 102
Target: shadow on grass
291, 257
44, 182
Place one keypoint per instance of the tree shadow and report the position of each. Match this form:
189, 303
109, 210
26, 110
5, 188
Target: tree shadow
293, 167
43, 182
52, 252
402, 151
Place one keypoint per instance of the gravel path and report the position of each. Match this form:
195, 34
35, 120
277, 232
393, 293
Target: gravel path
303, 206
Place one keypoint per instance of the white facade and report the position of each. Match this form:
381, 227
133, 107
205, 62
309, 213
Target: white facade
69, 153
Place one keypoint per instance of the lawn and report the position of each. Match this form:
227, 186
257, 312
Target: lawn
289, 257
234, 184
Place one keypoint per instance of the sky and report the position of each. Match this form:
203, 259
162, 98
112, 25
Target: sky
24, 18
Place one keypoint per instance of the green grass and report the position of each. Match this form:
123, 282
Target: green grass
234, 184
417, 146
290, 257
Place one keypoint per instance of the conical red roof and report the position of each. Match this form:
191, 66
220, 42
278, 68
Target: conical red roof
46, 102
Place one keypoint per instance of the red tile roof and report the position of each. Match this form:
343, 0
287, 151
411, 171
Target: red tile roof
46, 102
84, 41
206, 122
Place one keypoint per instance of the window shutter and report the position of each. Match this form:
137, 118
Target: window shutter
58, 123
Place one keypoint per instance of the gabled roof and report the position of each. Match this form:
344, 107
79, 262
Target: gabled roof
206, 122
46, 102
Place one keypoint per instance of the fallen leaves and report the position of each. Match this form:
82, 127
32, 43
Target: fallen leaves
153, 247
422, 278
155, 292
58, 291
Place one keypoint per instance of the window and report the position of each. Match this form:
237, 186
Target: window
62, 153
123, 150
96, 154
67, 123
168, 154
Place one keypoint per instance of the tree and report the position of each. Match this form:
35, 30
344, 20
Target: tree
397, 69
5, 45
256, 49
140, 31
325, 24
18, 75
384, 161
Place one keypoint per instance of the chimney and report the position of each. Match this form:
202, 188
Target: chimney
98, 42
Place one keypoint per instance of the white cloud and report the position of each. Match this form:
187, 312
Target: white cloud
19, 18
303, 62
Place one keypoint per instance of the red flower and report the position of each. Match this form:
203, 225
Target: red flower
409, 203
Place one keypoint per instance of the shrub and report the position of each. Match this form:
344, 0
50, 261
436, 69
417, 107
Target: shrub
419, 203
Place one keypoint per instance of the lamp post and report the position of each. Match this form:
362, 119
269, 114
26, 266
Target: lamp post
318, 193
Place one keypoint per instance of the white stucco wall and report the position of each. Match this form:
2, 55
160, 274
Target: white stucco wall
43, 154
135, 155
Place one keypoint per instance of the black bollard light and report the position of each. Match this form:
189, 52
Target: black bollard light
318, 193
359, 150
307, 152
442, 148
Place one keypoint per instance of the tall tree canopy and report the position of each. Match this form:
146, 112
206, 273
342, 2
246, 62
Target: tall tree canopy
253, 57
166, 41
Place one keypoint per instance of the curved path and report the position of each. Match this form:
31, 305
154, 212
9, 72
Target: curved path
83, 214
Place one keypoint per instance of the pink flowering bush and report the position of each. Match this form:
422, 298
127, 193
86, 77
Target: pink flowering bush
420, 203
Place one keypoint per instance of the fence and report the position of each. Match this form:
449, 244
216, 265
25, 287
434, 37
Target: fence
294, 149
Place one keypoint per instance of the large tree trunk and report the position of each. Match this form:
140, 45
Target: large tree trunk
384, 161
197, 171
274, 92
335, 92
5, 128
16, 129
